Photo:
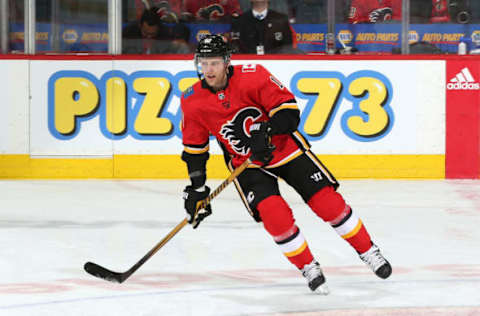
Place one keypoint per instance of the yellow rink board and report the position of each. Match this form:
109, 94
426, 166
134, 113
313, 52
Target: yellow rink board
172, 167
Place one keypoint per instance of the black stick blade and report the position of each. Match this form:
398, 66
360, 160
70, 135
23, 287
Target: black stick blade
102, 273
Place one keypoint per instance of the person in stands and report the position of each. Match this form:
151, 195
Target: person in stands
262, 31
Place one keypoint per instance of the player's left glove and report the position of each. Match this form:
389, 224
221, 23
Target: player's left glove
260, 142
192, 197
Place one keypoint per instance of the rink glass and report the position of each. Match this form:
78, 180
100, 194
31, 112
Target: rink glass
95, 26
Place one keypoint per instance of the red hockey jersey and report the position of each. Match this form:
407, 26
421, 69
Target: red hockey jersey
370, 11
440, 12
212, 10
252, 95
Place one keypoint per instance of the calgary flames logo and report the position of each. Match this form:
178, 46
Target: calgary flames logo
236, 131
211, 13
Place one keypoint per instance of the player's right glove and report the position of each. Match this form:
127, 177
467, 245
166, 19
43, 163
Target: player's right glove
260, 142
192, 197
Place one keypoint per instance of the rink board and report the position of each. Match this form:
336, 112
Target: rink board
171, 166
103, 118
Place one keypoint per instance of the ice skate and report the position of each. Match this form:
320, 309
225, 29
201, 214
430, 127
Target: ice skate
375, 260
316, 280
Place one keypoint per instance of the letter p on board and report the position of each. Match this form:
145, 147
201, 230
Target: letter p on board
74, 97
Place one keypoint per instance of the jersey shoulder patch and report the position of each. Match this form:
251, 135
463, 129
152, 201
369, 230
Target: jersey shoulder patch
188, 92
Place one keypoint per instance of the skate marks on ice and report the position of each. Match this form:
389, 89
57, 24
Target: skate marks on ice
354, 291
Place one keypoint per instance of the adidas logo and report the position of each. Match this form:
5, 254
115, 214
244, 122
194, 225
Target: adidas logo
463, 81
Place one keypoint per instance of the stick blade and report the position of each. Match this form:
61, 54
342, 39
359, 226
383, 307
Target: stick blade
103, 273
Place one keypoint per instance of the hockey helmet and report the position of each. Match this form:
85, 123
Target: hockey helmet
211, 45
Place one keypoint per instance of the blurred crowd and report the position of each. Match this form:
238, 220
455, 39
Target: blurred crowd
421, 11
264, 27
255, 26
315, 11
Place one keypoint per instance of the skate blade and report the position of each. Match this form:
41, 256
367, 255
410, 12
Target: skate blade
322, 289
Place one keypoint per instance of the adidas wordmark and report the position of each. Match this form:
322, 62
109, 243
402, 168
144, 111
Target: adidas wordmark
463, 81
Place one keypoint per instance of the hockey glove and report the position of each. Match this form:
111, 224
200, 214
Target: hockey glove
192, 198
260, 142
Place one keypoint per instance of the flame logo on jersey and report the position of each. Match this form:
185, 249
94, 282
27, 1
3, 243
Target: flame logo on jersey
236, 131
211, 12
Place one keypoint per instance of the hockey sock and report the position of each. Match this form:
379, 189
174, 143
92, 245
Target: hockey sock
351, 228
330, 206
278, 220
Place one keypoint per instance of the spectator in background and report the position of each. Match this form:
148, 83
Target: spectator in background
140, 6
211, 10
262, 31
423, 11
169, 12
370, 11
281, 6
150, 36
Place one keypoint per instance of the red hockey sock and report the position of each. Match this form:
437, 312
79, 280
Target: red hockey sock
360, 241
278, 220
330, 206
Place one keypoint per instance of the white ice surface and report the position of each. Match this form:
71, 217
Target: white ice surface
429, 230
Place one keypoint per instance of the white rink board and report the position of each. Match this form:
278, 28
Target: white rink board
14, 117
88, 141
417, 102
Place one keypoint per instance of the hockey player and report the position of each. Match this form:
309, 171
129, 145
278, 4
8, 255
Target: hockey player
252, 114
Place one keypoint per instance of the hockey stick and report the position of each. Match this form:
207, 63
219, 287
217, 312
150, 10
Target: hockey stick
119, 277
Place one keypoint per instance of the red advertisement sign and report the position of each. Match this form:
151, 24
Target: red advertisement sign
463, 120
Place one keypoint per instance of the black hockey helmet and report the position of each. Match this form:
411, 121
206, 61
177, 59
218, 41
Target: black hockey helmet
212, 45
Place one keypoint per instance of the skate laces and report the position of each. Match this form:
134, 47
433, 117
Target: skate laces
311, 270
373, 258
